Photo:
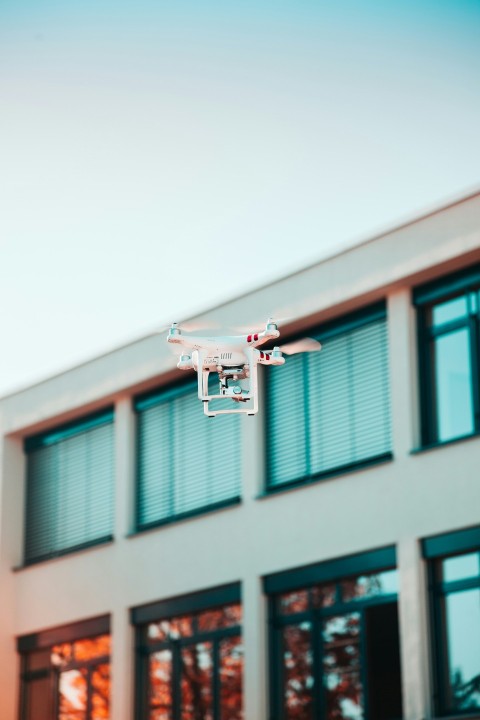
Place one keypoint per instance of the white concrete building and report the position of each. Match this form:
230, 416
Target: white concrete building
127, 516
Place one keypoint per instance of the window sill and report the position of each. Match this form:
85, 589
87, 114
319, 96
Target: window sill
191, 514
334, 472
444, 443
102, 542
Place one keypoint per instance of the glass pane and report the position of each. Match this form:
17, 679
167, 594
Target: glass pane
62, 654
453, 385
228, 616
463, 637
92, 648
39, 699
72, 695
368, 586
463, 566
170, 629
101, 692
293, 602
324, 595
341, 668
298, 672
160, 684
197, 682
451, 310
231, 673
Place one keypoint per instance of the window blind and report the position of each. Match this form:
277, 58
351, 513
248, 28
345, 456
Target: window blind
330, 409
186, 461
70, 485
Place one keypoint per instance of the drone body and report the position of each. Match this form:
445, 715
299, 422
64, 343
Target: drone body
235, 359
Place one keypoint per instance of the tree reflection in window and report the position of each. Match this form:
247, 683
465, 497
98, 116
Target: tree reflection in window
77, 681
195, 666
341, 667
337, 650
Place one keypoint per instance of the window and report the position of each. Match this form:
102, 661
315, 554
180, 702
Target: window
65, 673
335, 641
330, 410
70, 486
455, 594
186, 462
190, 657
449, 325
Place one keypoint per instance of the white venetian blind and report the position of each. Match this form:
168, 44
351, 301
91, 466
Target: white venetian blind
186, 461
330, 409
70, 487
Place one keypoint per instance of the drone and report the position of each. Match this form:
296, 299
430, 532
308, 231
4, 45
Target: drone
235, 359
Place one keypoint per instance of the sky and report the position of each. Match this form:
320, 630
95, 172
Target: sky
157, 158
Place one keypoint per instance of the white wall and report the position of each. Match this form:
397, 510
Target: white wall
398, 502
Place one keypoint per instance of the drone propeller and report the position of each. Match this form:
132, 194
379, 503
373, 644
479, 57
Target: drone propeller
298, 346
259, 326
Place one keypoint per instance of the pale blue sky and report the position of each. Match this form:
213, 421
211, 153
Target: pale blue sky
159, 157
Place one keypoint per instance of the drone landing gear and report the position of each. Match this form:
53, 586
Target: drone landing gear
231, 387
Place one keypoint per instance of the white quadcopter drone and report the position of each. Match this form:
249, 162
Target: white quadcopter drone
235, 360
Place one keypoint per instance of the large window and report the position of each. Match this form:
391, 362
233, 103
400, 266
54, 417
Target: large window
330, 410
455, 588
70, 488
335, 641
190, 657
65, 673
449, 326
187, 462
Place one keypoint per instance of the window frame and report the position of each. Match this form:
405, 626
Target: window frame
326, 331
425, 298
46, 639
152, 399
435, 549
193, 603
306, 577
50, 437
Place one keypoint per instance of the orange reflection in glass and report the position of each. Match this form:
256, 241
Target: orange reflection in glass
92, 648
323, 595
72, 695
223, 617
197, 682
100, 681
61, 654
293, 602
160, 684
231, 675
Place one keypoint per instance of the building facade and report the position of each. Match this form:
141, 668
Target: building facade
318, 560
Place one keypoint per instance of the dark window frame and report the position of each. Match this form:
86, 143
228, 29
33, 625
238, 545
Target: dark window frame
51, 437
426, 297
150, 399
193, 603
436, 549
330, 571
326, 331
44, 640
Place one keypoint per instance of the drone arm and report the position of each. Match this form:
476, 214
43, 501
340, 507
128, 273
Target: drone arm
256, 339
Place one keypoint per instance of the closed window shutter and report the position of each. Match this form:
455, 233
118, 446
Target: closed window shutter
286, 420
335, 411
70, 486
186, 461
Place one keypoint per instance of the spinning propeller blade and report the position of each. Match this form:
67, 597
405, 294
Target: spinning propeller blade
299, 346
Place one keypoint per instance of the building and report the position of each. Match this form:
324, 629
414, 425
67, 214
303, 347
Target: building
318, 560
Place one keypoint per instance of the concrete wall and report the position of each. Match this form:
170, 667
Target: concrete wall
398, 502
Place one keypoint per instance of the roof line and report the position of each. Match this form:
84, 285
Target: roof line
347, 246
